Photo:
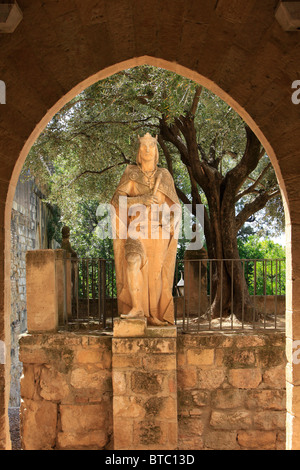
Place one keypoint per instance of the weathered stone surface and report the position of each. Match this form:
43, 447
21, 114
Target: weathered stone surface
187, 378
200, 357
53, 384
90, 378
129, 328
221, 440
257, 440
266, 399
146, 383
275, 377
30, 382
211, 379
38, 424
231, 419
81, 419
92, 440
245, 378
161, 332
128, 407
119, 382
228, 399
42, 308
270, 420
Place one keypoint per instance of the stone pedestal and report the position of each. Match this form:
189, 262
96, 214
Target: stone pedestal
42, 308
144, 387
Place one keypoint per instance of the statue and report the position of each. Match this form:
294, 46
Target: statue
65, 244
145, 263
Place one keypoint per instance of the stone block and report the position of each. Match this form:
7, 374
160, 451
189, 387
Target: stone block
53, 384
86, 378
228, 399
30, 382
123, 433
270, 420
266, 399
42, 308
38, 425
128, 407
245, 378
231, 419
146, 383
83, 419
151, 434
187, 378
275, 377
257, 440
211, 379
92, 440
190, 427
161, 332
129, 328
161, 407
119, 382
160, 362
221, 440
123, 361
204, 357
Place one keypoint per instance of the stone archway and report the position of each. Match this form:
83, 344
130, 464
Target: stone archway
239, 53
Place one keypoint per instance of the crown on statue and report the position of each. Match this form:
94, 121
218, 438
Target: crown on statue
148, 137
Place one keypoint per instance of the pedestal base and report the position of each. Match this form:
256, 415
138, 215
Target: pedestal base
131, 328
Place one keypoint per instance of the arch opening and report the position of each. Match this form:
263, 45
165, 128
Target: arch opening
115, 69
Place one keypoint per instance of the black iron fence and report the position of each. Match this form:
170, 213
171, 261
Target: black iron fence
208, 294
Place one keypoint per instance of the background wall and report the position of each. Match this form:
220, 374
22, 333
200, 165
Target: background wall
29, 231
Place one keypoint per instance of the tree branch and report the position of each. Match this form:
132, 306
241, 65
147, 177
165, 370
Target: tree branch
100, 172
255, 184
253, 207
236, 177
196, 100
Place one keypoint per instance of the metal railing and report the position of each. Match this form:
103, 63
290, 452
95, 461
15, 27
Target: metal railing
230, 294
208, 294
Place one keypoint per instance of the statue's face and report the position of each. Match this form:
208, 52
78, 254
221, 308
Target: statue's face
148, 150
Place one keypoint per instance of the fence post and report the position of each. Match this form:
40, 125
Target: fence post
64, 285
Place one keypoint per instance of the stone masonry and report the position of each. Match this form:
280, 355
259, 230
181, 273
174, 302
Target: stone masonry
231, 392
29, 220
145, 389
66, 392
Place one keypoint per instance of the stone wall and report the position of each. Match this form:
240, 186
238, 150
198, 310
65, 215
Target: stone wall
66, 392
230, 390
29, 221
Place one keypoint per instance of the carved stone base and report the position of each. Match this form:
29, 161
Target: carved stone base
161, 332
131, 328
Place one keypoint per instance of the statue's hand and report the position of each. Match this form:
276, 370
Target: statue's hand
148, 200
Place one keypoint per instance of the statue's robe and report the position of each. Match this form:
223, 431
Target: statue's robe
158, 255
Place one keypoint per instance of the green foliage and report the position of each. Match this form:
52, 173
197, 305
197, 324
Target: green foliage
81, 155
265, 274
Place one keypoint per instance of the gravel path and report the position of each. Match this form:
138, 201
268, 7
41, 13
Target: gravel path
14, 424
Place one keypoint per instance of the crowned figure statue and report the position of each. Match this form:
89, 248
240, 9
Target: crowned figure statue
145, 241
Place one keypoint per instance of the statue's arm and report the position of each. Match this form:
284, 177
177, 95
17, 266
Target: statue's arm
122, 197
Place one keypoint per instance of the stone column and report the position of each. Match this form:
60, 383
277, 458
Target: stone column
42, 301
293, 336
144, 386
